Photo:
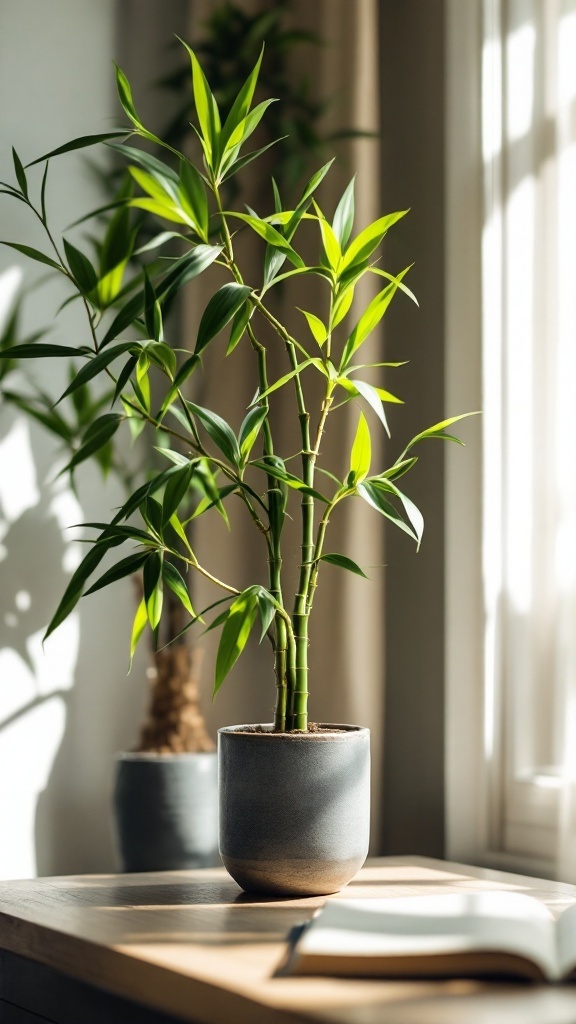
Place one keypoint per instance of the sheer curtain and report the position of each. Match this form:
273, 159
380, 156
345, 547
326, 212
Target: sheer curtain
529, 346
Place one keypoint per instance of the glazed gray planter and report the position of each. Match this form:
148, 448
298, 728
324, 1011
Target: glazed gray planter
294, 808
166, 811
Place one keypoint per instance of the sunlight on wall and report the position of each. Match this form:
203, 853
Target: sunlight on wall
32, 695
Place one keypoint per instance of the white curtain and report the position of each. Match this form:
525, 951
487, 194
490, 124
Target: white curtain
529, 342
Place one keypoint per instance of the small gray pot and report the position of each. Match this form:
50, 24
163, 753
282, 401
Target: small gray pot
294, 808
166, 811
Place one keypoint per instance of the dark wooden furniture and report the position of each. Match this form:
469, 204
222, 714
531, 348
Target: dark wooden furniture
190, 946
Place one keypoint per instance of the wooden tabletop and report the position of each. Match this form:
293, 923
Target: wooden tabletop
193, 945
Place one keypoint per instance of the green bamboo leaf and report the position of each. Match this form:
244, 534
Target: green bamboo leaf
375, 397
270, 235
344, 563
220, 432
438, 430
136, 500
239, 165
151, 513
206, 482
250, 429
344, 216
239, 325
399, 468
330, 243
289, 376
158, 241
273, 469
314, 182
81, 268
41, 350
342, 305
125, 318
186, 268
125, 567
73, 591
235, 633
138, 627
361, 454
96, 365
219, 311
154, 184
206, 503
318, 329
241, 104
152, 317
47, 416
181, 377
97, 435
390, 277
248, 125
369, 239
125, 96
81, 143
375, 497
35, 254
177, 585
370, 319
267, 609
20, 173
165, 209
414, 515
176, 489
317, 271
153, 591
148, 162
163, 357
206, 109
192, 195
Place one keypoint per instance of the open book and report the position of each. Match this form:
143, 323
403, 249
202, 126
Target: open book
472, 934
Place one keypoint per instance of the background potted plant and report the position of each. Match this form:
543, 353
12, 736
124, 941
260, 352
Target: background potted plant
294, 799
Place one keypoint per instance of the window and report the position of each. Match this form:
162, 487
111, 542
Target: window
521, 618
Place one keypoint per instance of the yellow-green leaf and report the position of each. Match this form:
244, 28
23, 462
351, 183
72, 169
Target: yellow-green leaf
319, 330
361, 454
138, 627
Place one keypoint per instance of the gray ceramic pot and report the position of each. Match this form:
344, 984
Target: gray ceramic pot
294, 808
166, 811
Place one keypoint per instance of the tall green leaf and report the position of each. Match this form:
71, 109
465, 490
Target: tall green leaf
177, 585
343, 562
125, 567
73, 591
206, 109
220, 432
361, 454
35, 254
219, 312
344, 216
153, 592
375, 497
235, 633
241, 104
370, 319
369, 239
81, 143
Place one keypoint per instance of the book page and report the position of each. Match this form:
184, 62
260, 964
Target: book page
435, 925
566, 941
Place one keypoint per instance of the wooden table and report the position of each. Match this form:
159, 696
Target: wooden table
146, 949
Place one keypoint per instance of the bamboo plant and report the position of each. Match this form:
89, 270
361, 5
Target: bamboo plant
204, 455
